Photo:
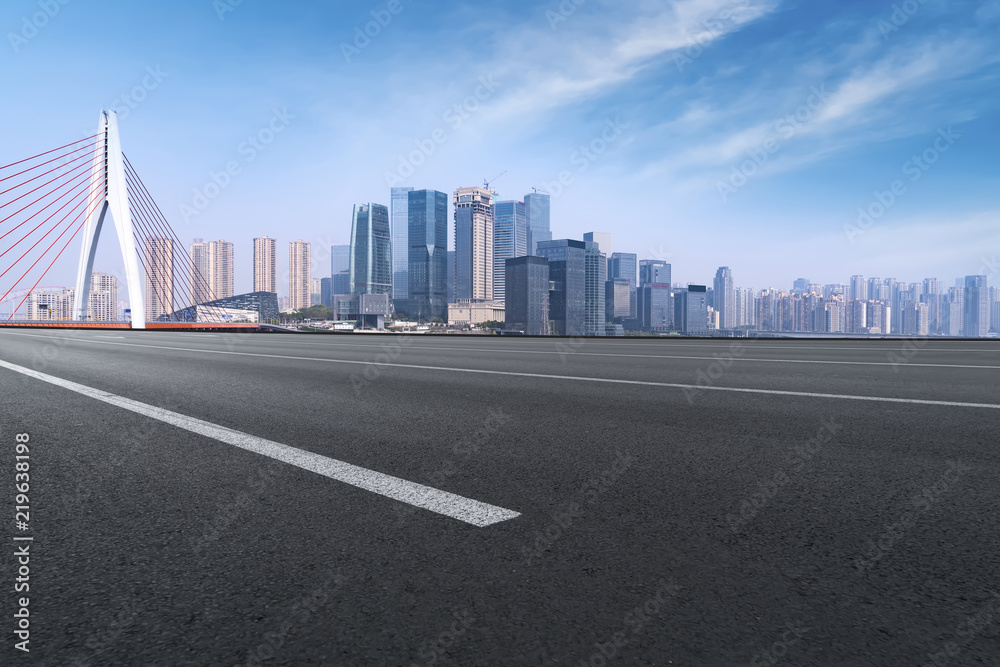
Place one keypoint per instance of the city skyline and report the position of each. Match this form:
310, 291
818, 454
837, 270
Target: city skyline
869, 100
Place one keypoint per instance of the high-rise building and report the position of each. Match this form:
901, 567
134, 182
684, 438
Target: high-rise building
618, 300
858, 290
315, 291
103, 302
603, 240
538, 205
654, 271
596, 275
691, 309
875, 290
47, 305
371, 250
158, 258
451, 276
567, 274
976, 307
625, 265
340, 268
510, 240
399, 215
655, 311
220, 270
326, 292
265, 267
800, 286
473, 244
527, 290
915, 319
299, 275
200, 276
725, 298
428, 253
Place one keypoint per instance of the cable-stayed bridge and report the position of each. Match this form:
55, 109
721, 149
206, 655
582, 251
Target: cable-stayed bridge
58, 201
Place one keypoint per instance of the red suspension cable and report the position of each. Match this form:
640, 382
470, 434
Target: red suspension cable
101, 201
92, 146
35, 157
58, 255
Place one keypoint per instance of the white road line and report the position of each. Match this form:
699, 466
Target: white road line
644, 383
910, 364
442, 502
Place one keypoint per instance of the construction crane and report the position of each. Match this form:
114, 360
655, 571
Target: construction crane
486, 184
537, 190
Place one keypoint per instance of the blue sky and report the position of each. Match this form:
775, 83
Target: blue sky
745, 133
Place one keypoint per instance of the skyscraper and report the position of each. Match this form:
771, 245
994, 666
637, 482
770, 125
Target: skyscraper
103, 303
618, 300
654, 272
976, 307
725, 298
655, 312
510, 239
473, 244
220, 270
527, 290
859, 289
199, 272
567, 273
340, 268
624, 265
265, 272
538, 206
595, 277
691, 309
158, 258
428, 252
299, 275
371, 250
399, 202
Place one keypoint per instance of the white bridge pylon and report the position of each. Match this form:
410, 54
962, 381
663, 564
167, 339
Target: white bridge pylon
107, 182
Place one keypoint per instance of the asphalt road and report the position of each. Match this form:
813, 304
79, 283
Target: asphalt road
659, 516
